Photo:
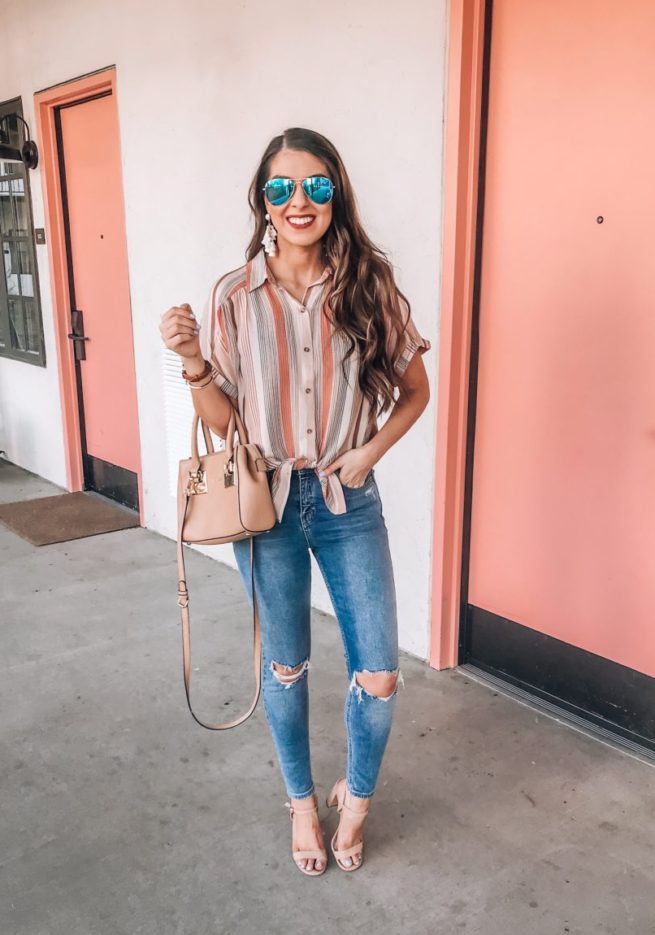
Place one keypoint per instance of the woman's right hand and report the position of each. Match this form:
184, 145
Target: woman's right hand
179, 330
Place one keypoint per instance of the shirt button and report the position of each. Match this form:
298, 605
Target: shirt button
309, 431
308, 390
303, 309
306, 348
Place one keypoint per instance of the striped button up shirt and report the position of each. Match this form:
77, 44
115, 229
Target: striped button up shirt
281, 362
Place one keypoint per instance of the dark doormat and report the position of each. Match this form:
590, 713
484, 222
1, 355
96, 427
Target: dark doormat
67, 516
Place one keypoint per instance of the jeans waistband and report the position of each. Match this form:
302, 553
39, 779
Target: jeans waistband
295, 470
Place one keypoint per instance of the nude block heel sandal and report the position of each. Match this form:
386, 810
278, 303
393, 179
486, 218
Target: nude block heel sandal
315, 854
337, 799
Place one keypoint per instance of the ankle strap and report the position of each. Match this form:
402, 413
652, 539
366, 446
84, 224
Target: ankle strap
355, 811
301, 811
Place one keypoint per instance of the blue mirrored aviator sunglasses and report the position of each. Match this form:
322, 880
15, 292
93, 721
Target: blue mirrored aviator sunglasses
318, 189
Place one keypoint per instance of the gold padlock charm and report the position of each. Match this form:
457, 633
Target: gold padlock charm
197, 482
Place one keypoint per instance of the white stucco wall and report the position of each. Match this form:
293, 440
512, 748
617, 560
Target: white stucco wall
202, 87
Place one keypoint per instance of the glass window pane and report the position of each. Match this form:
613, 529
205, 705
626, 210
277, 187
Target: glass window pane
31, 326
17, 325
6, 211
20, 206
11, 125
8, 168
10, 251
26, 281
21, 330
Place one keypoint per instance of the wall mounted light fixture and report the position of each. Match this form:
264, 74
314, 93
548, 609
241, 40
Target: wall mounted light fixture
28, 153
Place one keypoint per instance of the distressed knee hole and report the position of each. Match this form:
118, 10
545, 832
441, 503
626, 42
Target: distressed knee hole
380, 685
288, 675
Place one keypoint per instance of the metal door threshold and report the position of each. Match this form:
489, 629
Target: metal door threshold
568, 718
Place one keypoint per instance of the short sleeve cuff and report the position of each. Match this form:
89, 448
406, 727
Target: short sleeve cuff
413, 344
224, 384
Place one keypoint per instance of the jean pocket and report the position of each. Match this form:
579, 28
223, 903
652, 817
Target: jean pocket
370, 477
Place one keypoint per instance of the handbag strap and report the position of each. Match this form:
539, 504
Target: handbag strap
183, 602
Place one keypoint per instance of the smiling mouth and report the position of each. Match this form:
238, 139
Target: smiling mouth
300, 221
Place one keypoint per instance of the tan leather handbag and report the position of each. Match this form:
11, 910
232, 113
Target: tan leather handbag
222, 496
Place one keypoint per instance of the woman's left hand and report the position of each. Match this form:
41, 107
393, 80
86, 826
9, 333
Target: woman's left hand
353, 466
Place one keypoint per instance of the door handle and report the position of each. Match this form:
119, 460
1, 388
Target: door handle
77, 335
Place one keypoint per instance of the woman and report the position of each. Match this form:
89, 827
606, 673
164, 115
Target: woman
309, 339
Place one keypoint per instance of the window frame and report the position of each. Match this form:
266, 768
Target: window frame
38, 357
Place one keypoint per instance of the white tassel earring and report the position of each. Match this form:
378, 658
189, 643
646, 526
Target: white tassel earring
270, 237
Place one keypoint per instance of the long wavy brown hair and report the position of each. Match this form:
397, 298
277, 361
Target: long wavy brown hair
365, 300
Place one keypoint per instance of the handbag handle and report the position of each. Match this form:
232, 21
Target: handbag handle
235, 423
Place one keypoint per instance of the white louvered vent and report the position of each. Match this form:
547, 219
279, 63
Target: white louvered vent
178, 414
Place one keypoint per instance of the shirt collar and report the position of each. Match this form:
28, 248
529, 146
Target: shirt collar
257, 272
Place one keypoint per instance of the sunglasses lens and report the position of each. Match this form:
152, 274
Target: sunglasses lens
319, 188
278, 190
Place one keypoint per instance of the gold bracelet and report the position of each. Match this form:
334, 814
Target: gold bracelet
199, 386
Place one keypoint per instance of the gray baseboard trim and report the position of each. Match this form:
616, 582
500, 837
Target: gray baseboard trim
595, 731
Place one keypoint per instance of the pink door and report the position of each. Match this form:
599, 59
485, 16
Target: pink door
561, 572
101, 322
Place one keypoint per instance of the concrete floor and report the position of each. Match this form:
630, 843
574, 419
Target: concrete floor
121, 816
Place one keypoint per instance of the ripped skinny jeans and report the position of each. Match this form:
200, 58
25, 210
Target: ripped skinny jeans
352, 552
